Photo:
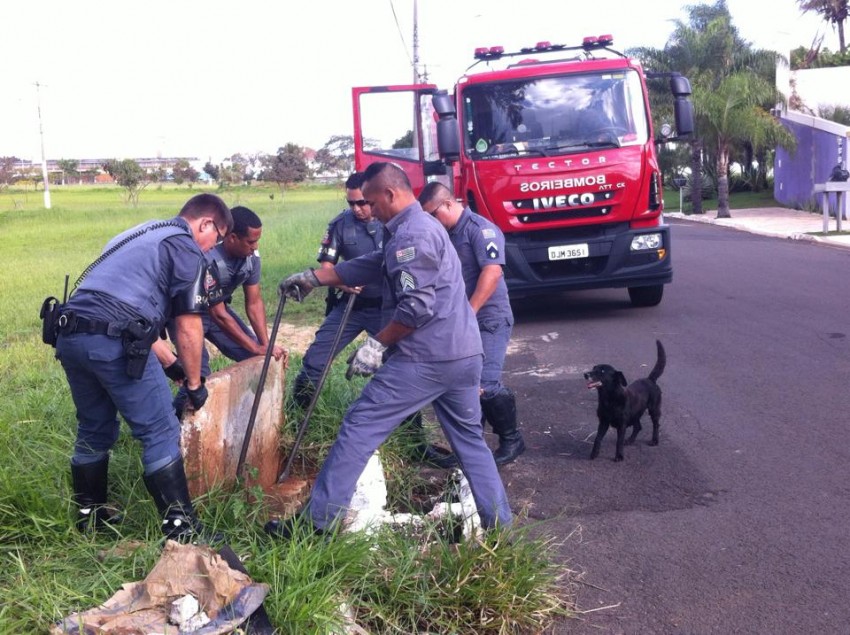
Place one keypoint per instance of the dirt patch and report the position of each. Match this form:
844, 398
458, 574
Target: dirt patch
295, 338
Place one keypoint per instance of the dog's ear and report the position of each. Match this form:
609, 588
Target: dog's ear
621, 378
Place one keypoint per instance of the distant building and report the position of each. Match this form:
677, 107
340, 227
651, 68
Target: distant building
821, 144
91, 170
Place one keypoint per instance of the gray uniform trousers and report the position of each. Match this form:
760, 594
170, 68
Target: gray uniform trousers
400, 388
495, 337
317, 355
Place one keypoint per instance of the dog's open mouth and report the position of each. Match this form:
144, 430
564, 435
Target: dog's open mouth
593, 383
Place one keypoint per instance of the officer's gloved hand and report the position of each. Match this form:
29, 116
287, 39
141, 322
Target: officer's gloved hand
366, 360
198, 396
298, 285
175, 372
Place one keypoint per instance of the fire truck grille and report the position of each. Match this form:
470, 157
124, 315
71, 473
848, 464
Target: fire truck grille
548, 217
566, 268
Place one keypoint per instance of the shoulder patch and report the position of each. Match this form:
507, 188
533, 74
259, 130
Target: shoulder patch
407, 281
405, 255
488, 233
210, 281
492, 250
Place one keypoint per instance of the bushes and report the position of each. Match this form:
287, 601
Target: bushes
802, 58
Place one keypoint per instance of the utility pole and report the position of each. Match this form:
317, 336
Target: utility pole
416, 78
43, 156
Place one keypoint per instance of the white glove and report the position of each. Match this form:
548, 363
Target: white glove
298, 285
366, 360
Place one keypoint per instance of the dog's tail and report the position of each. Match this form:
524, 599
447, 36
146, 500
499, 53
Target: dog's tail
660, 363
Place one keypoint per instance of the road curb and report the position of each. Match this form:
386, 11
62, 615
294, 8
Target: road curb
740, 226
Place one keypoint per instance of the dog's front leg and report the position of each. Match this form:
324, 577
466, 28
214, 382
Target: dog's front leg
621, 440
597, 442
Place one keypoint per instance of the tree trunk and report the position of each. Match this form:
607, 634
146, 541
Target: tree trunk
841, 44
760, 182
723, 183
696, 176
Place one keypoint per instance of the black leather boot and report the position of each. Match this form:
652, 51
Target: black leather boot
89, 481
425, 452
170, 492
500, 411
286, 528
303, 391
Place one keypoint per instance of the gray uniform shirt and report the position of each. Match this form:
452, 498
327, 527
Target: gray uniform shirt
348, 238
228, 274
422, 287
480, 243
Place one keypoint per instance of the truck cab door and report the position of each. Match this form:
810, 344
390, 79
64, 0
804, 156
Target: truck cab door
397, 124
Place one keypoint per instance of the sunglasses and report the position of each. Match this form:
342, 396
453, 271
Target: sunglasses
361, 202
434, 211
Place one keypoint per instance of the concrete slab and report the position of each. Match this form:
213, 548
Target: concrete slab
212, 437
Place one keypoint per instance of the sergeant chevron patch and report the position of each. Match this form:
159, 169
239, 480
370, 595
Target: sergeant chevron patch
492, 250
407, 281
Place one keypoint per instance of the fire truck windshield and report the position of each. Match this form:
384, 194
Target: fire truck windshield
549, 116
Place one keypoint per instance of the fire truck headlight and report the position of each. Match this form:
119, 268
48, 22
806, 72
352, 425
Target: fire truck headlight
647, 241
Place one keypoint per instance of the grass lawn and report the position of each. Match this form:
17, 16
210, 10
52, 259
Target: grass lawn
738, 200
394, 584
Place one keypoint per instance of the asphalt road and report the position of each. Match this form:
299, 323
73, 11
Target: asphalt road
738, 522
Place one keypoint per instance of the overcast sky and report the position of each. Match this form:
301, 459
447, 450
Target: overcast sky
208, 78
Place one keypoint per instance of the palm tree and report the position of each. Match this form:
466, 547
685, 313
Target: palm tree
730, 114
834, 11
733, 91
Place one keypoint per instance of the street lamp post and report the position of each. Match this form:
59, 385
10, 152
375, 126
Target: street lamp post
43, 156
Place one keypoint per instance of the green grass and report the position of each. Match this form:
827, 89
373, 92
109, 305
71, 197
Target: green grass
393, 583
738, 200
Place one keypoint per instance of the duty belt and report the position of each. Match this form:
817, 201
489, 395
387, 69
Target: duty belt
367, 303
69, 323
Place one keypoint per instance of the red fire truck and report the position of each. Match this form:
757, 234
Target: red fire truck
558, 152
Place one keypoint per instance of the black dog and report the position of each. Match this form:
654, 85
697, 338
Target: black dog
621, 406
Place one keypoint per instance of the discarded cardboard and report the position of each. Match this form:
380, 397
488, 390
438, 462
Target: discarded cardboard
227, 596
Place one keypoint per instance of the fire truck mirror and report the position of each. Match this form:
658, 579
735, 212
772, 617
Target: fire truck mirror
680, 86
448, 139
443, 104
683, 110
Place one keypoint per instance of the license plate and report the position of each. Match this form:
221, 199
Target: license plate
568, 252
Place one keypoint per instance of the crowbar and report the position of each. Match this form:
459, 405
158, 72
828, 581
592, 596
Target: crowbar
253, 418
300, 436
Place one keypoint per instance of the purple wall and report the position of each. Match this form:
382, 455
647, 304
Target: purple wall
795, 175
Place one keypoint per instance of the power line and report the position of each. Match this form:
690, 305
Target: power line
400, 34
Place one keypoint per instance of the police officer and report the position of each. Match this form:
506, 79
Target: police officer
432, 348
350, 234
232, 264
145, 276
354, 232
480, 246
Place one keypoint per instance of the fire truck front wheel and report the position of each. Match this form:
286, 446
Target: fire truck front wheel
646, 296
